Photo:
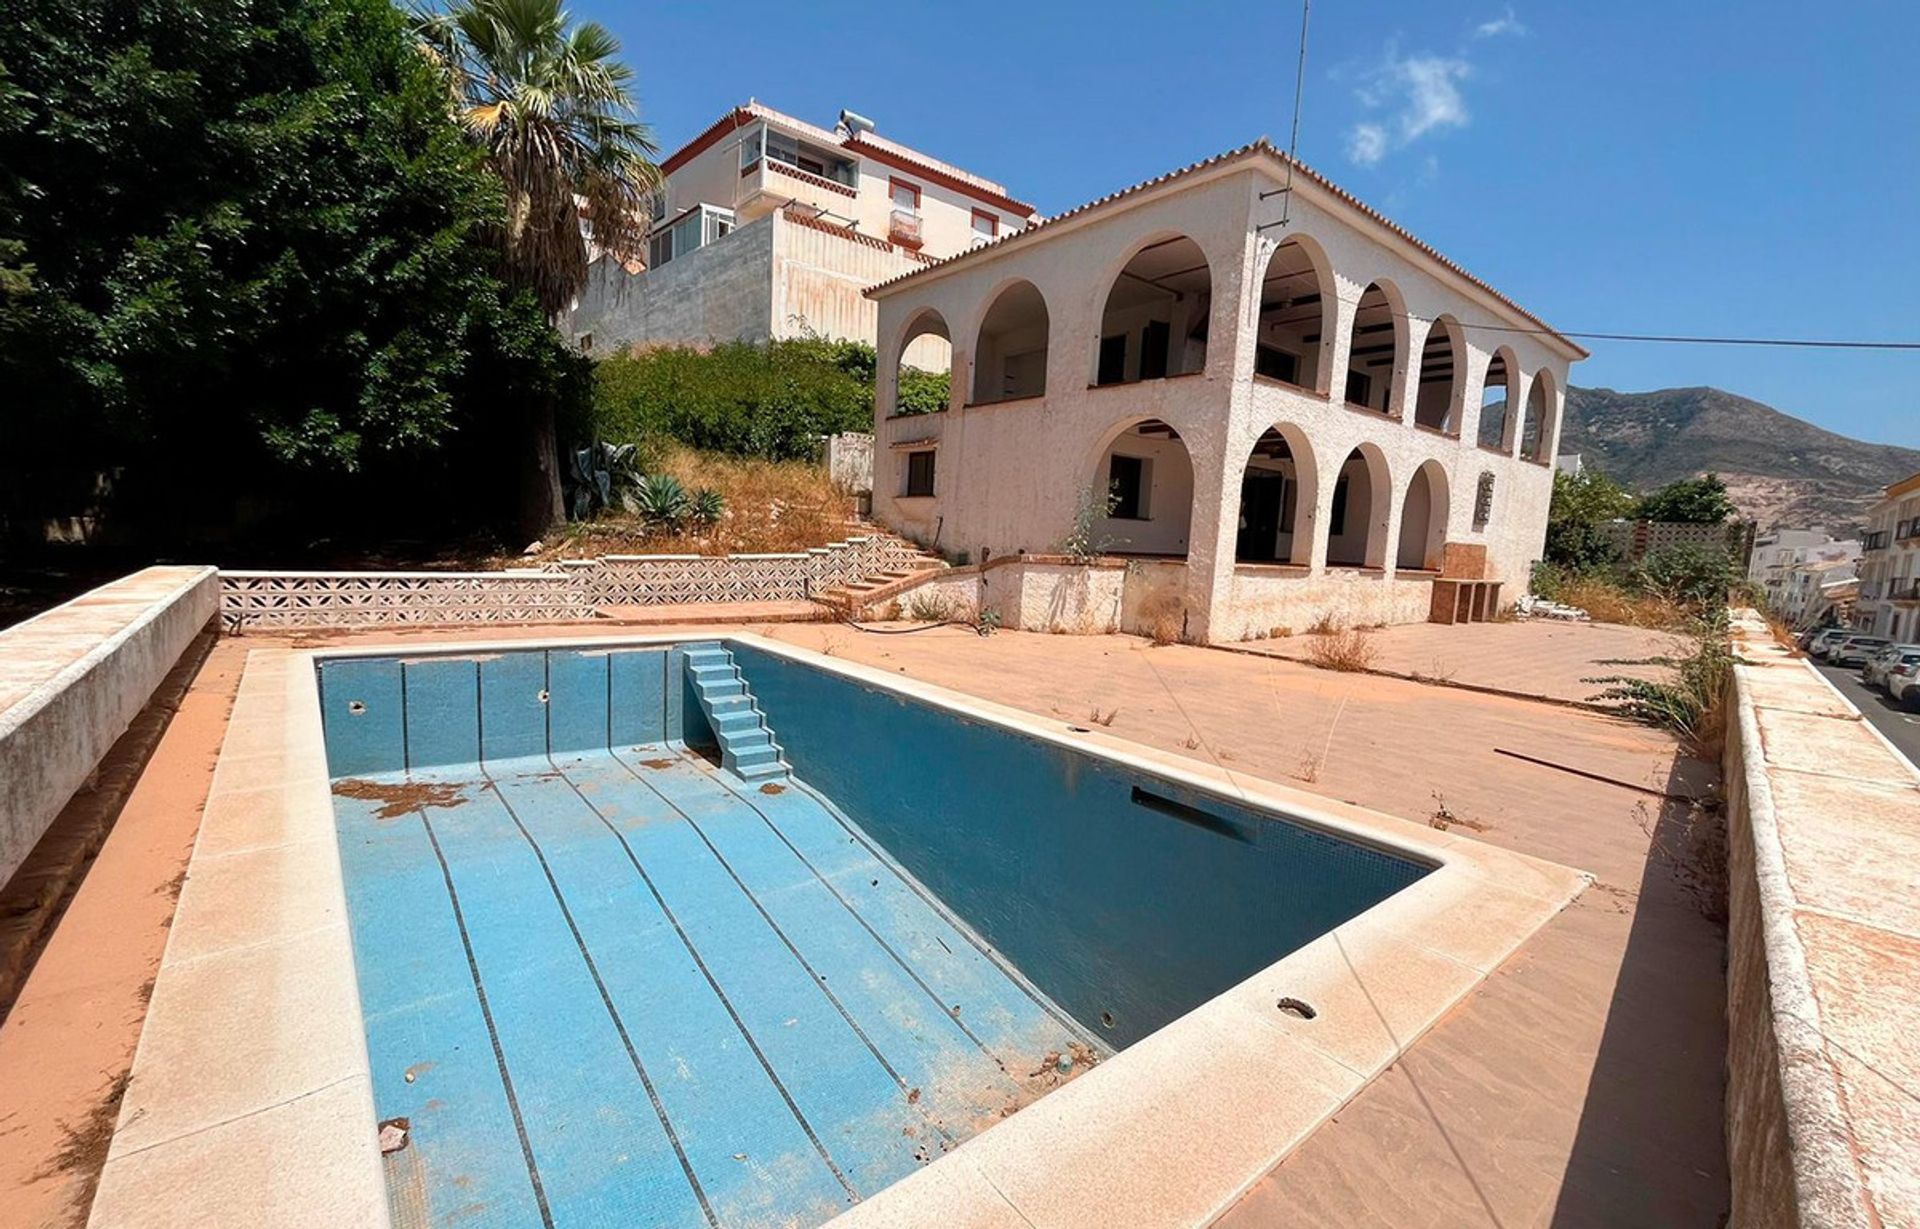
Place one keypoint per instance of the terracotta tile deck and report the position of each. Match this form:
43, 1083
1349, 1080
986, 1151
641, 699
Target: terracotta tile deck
1580, 1085
1540, 657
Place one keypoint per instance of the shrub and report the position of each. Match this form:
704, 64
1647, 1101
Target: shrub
662, 500
1351, 651
1693, 703
922, 392
1688, 574
772, 400
707, 506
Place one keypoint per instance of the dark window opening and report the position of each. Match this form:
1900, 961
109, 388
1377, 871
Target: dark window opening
920, 473
1127, 481
1276, 364
1155, 342
1359, 388
1339, 518
1113, 359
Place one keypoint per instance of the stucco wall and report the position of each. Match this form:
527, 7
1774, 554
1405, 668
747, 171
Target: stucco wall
74, 679
1823, 967
721, 292
1010, 474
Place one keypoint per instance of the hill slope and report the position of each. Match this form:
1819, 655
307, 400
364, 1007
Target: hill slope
1779, 469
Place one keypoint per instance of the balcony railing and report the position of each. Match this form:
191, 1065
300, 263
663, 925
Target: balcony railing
1906, 589
903, 227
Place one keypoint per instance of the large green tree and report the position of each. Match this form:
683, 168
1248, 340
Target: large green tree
1698, 501
246, 245
553, 108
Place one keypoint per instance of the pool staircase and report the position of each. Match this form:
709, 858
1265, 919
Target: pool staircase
747, 748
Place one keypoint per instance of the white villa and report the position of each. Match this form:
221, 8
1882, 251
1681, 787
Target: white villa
1889, 603
1296, 409
771, 227
1798, 569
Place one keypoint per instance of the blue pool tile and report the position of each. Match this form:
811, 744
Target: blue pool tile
443, 705
513, 707
639, 696
576, 701
360, 707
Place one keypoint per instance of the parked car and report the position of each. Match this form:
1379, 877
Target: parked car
1826, 638
1903, 679
1873, 672
1854, 650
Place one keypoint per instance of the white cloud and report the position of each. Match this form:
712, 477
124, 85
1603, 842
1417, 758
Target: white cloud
1419, 94
1506, 23
1367, 144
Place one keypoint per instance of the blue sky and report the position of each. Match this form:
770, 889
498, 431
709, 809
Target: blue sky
1635, 166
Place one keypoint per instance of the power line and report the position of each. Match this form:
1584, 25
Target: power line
1686, 339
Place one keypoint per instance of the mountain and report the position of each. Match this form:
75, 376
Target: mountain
1780, 470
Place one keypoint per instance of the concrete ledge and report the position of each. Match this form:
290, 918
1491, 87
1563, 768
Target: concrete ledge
73, 679
1823, 965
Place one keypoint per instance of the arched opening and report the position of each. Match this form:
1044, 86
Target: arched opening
1436, 395
1374, 355
923, 379
1496, 395
1157, 313
1010, 357
1277, 490
1536, 429
1143, 492
1296, 317
1356, 527
1423, 519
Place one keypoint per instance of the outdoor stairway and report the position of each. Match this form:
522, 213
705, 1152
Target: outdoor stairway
853, 596
747, 748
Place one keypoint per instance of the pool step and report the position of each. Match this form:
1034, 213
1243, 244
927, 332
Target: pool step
747, 748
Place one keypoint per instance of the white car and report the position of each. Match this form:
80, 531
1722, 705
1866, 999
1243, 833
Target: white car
1854, 650
1874, 671
1824, 640
1903, 678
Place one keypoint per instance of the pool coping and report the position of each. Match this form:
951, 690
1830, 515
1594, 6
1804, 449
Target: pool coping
251, 1092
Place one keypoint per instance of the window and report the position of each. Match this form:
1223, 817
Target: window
985, 225
920, 473
1127, 480
1276, 364
1155, 341
1359, 388
1338, 520
1113, 359
906, 196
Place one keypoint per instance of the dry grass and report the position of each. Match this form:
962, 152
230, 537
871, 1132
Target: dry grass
772, 506
1607, 602
1352, 650
1165, 616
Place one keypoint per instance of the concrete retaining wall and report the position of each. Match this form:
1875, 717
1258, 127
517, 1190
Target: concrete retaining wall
73, 679
1822, 972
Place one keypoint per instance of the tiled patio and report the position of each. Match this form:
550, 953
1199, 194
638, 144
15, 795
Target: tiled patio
1580, 1085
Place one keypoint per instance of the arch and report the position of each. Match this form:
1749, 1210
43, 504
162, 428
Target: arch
1010, 354
1158, 312
1496, 399
1298, 317
1423, 518
1362, 499
1437, 399
1536, 428
1377, 350
1142, 485
923, 371
1278, 489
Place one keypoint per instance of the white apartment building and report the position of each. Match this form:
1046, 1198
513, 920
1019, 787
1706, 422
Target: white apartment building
1287, 407
1791, 565
1889, 602
771, 227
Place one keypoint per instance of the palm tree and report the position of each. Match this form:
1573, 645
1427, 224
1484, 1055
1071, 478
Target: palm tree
554, 110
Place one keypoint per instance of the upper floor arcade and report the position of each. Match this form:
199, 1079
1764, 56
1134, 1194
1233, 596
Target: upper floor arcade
1262, 289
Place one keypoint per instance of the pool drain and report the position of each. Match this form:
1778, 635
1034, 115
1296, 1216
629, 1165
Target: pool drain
1299, 1009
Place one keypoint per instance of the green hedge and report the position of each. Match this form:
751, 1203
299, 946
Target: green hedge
769, 400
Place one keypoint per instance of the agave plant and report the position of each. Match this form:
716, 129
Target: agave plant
708, 506
601, 475
662, 500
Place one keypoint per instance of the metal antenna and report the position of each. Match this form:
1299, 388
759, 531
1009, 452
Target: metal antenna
1299, 85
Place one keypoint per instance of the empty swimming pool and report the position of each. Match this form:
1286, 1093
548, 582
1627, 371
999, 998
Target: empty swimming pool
704, 934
